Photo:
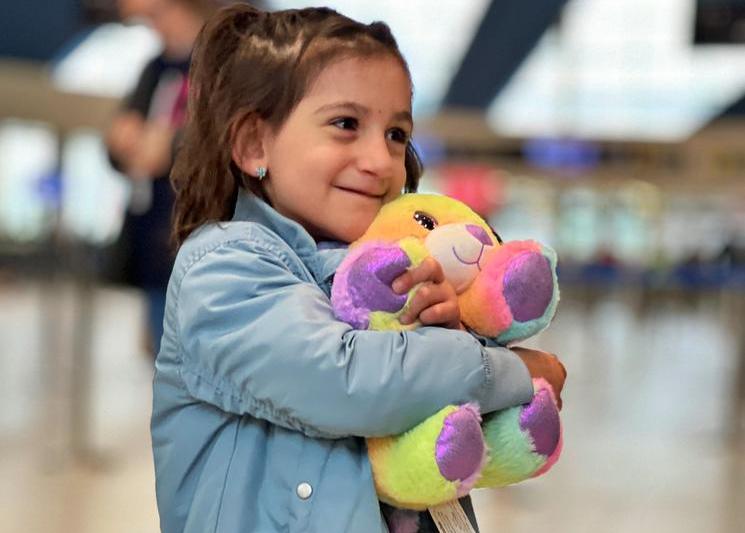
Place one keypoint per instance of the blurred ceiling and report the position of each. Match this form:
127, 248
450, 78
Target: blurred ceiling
621, 70
592, 69
588, 69
36, 29
506, 35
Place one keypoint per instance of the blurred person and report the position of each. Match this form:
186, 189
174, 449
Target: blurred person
141, 141
299, 131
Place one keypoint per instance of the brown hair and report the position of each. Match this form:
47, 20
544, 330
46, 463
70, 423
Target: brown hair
247, 62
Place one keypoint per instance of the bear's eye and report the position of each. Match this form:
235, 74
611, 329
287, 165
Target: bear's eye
425, 220
499, 239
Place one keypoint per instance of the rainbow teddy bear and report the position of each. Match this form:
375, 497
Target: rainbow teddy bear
507, 291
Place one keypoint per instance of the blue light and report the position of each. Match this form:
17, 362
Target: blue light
562, 154
431, 150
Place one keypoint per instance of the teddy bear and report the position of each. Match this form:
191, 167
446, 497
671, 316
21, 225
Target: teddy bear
507, 291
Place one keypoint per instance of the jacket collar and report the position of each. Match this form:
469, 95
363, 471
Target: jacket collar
321, 258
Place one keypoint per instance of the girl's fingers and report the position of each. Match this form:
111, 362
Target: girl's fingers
425, 296
428, 270
544, 365
445, 313
433, 304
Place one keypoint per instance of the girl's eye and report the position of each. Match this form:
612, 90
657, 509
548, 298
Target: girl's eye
346, 123
426, 221
398, 135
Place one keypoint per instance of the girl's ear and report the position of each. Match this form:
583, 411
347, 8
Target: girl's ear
248, 137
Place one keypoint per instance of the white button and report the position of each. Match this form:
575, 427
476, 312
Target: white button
304, 490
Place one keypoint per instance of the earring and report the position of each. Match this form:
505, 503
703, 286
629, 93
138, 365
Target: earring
261, 173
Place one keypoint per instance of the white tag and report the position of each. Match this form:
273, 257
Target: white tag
451, 518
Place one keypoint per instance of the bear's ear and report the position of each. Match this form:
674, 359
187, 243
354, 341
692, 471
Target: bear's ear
499, 239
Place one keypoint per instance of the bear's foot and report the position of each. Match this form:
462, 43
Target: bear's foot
523, 441
436, 461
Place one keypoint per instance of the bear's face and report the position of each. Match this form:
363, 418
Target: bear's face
453, 234
505, 290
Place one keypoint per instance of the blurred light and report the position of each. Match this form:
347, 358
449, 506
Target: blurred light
579, 228
528, 211
107, 61
618, 70
681, 239
431, 149
480, 187
562, 154
628, 226
433, 36
49, 188
94, 196
28, 157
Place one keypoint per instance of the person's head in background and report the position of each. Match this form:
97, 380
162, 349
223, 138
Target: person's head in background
320, 101
176, 21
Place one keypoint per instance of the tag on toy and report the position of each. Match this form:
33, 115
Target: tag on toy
451, 518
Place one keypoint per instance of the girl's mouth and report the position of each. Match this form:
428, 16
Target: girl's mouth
362, 192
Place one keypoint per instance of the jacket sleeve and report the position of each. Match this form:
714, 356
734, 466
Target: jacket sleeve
256, 339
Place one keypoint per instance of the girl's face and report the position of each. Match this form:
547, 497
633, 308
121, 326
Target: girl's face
339, 156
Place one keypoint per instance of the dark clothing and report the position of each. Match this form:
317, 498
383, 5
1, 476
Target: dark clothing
427, 525
147, 236
160, 94
156, 72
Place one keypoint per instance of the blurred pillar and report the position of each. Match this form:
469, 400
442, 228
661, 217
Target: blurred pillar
508, 32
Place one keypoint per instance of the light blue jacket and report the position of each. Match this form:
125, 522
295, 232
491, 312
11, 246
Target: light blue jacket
261, 396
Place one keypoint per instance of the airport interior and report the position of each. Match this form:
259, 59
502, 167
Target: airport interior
611, 130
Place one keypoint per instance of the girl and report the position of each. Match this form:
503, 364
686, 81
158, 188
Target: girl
299, 131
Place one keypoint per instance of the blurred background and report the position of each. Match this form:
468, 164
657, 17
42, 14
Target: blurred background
613, 130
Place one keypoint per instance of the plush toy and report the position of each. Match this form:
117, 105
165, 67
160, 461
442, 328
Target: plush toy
507, 292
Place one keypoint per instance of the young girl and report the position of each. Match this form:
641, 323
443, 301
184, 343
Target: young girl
299, 131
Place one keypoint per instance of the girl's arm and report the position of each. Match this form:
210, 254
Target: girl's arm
540, 364
128, 125
257, 339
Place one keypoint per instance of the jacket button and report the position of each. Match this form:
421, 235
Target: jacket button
304, 490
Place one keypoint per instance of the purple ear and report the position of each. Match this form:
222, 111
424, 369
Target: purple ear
363, 283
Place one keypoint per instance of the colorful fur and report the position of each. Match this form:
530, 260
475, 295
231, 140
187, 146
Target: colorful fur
507, 291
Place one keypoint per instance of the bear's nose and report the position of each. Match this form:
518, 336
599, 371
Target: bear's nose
479, 233
528, 286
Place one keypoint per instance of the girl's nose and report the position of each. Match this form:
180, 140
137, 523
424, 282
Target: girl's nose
375, 157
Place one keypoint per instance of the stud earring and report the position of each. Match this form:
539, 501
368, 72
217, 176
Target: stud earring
261, 173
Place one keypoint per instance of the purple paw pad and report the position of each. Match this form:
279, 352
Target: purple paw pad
541, 419
528, 286
370, 278
460, 447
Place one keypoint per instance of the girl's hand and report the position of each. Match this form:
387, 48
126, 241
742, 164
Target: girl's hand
153, 156
123, 136
435, 301
544, 365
